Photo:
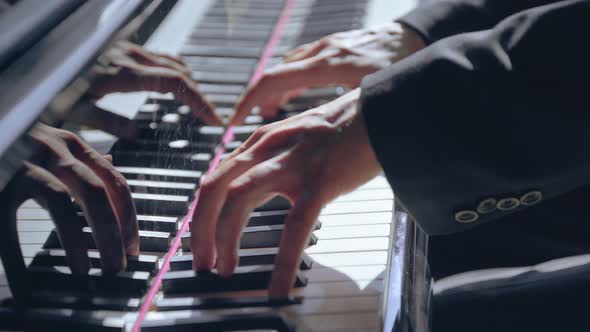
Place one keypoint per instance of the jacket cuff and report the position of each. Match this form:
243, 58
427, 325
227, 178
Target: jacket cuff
443, 19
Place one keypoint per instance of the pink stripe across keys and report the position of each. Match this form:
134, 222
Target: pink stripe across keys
227, 137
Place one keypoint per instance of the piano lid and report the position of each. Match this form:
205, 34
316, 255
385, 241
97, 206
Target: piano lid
30, 82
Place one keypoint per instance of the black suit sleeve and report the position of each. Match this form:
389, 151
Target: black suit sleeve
489, 114
444, 18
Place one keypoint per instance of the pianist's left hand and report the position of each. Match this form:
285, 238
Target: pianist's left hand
70, 168
340, 59
310, 158
134, 68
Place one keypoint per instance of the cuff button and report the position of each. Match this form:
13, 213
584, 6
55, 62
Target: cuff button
466, 216
531, 198
486, 206
507, 204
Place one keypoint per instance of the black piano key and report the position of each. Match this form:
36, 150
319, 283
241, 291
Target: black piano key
231, 89
259, 12
235, 42
240, 52
50, 299
190, 161
250, 5
158, 223
198, 303
160, 174
71, 320
228, 62
222, 25
148, 240
276, 203
252, 237
149, 222
260, 256
266, 218
60, 278
156, 204
244, 278
209, 134
221, 77
177, 146
172, 134
221, 100
204, 32
162, 187
57, 257
200, 321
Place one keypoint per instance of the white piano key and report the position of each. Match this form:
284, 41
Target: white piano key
32, 237
162, 184
340, 289
173, 198
366, 195
358, 207
35, 225
369, 218
30, 203
30, 250
32, 214
355, 273
380, 182
338, 322
349, 245
160, 171
345, 232
350, 258
337, 305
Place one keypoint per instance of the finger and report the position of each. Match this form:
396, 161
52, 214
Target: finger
270, 91
244, 194
212, 195
117, 189
307, 51
108, 158
148, 58
89, 191
165, 80
130, 46
294, 240
10, 250
52, 194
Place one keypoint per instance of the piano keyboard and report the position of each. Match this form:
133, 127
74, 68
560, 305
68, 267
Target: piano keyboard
344, 272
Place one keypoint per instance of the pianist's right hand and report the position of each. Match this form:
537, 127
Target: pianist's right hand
70, 168
340, 59
133, 68
310, 159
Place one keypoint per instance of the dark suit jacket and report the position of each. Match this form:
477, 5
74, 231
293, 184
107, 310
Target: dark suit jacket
496, 107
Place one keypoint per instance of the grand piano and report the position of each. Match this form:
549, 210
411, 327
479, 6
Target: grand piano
365, 268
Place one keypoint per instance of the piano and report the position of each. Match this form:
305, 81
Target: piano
364, 269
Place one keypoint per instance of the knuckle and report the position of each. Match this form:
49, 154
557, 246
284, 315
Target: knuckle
68, 136
237, 191
208, 185
262, 131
